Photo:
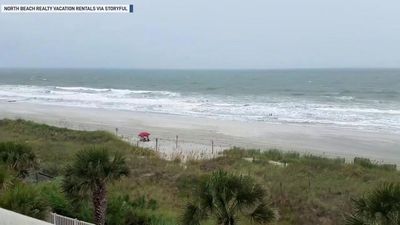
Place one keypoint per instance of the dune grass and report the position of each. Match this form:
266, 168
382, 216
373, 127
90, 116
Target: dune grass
305, 189
53, 146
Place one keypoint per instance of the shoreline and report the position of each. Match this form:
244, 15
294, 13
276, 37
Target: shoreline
202, 137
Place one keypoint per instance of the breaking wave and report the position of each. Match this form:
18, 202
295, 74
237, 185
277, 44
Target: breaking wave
345, 111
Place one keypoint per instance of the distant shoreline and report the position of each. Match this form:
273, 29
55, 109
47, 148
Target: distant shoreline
196, 134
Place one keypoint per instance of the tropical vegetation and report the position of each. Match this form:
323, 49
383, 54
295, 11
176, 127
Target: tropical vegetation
302, 189
226, 197
92, 170
18, 157
379, 207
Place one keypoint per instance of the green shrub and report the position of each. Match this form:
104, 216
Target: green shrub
7, 178
271, 154
24, 199
367, 163
186, 182
123, 210
117, 210
389, 167
235, 153
379, 207
56, 199
274, 154
318, 162
364, 162
18, 157
162, 220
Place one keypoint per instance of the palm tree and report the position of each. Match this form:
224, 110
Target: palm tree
380, 207
18, 157
224, 196
92, 169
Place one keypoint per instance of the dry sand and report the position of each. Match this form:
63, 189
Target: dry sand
195, 135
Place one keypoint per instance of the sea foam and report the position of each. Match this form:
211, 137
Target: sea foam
284, 109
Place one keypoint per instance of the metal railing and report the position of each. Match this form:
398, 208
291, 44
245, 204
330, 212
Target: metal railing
63, 220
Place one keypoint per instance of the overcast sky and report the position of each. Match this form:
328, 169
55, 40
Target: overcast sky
207, 34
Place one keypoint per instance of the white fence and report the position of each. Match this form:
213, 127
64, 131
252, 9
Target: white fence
63, 220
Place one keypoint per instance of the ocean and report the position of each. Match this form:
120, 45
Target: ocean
360, 98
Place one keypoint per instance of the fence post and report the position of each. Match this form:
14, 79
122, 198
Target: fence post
116, 131
156, 144
75, 221
53, 218
176, 142
212, 146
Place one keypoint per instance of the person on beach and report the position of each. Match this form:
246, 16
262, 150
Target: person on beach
144, 136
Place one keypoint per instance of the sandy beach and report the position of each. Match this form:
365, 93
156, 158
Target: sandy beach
200, 137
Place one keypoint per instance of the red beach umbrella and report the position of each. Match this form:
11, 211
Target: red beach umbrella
144, 134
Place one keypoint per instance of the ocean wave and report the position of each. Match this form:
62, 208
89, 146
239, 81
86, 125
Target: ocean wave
345, 98
292, 109
363, 110
115, 91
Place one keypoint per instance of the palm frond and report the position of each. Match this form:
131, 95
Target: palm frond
263, 214
355, 220
384, 199
18, 157
225, 196
379, 207
74, 186
117, 167
250, 193
92, 168
192, 215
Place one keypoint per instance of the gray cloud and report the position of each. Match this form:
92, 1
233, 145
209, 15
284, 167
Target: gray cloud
207, 34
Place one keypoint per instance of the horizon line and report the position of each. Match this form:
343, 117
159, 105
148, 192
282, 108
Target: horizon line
204, 69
